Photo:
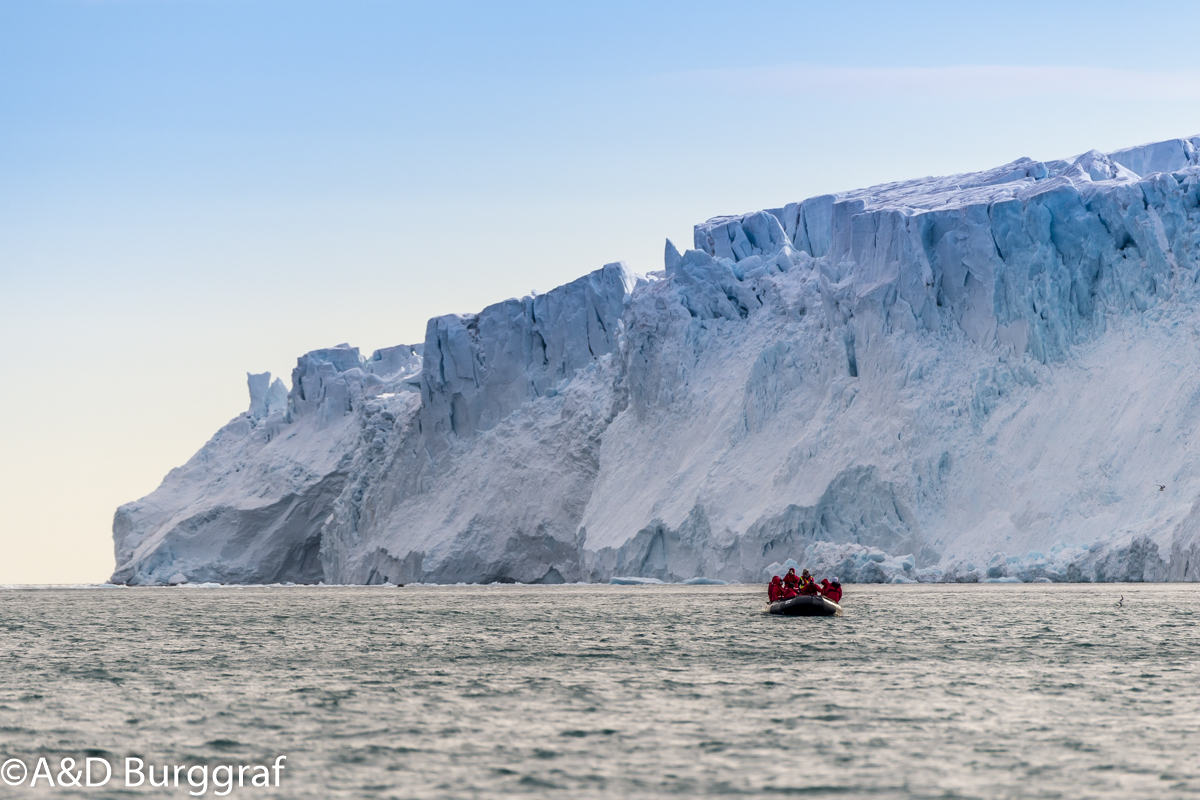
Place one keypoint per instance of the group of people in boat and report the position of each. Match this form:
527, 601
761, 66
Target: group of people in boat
793, 585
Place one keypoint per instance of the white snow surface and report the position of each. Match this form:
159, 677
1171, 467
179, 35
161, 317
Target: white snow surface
989, 376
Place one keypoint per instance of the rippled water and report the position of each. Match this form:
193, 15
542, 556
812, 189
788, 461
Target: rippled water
608, 691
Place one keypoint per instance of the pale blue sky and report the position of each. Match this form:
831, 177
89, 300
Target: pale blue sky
190, 190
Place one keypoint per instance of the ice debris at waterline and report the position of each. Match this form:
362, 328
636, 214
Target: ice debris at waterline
980, 377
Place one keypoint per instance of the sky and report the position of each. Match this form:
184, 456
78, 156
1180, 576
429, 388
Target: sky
191, 190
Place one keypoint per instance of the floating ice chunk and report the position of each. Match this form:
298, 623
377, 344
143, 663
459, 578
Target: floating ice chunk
634, 581
704, 582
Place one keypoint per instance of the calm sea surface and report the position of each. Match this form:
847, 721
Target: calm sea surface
614, 691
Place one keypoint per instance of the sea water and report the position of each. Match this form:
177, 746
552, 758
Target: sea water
612, 691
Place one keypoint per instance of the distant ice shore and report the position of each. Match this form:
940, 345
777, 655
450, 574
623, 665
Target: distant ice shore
992, 376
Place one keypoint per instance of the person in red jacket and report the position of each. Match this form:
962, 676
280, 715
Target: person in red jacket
807, 584
790, 581
833, 590
775, 590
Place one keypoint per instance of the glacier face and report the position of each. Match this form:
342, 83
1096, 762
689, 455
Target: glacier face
989, 376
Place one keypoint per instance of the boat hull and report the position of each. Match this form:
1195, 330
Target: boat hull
806, 606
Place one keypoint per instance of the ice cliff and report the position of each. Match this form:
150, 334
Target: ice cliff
988, 376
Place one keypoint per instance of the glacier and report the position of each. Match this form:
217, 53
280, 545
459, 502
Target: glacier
992, 376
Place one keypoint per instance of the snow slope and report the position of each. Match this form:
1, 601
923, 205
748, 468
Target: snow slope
985, 376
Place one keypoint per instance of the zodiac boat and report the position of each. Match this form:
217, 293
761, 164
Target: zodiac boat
806, 605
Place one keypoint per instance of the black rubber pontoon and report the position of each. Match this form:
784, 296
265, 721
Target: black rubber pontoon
806, 605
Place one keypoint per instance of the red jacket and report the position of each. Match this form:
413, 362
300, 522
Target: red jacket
775, 589
834, 592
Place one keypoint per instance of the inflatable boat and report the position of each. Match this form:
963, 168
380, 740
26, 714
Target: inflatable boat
806, 605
